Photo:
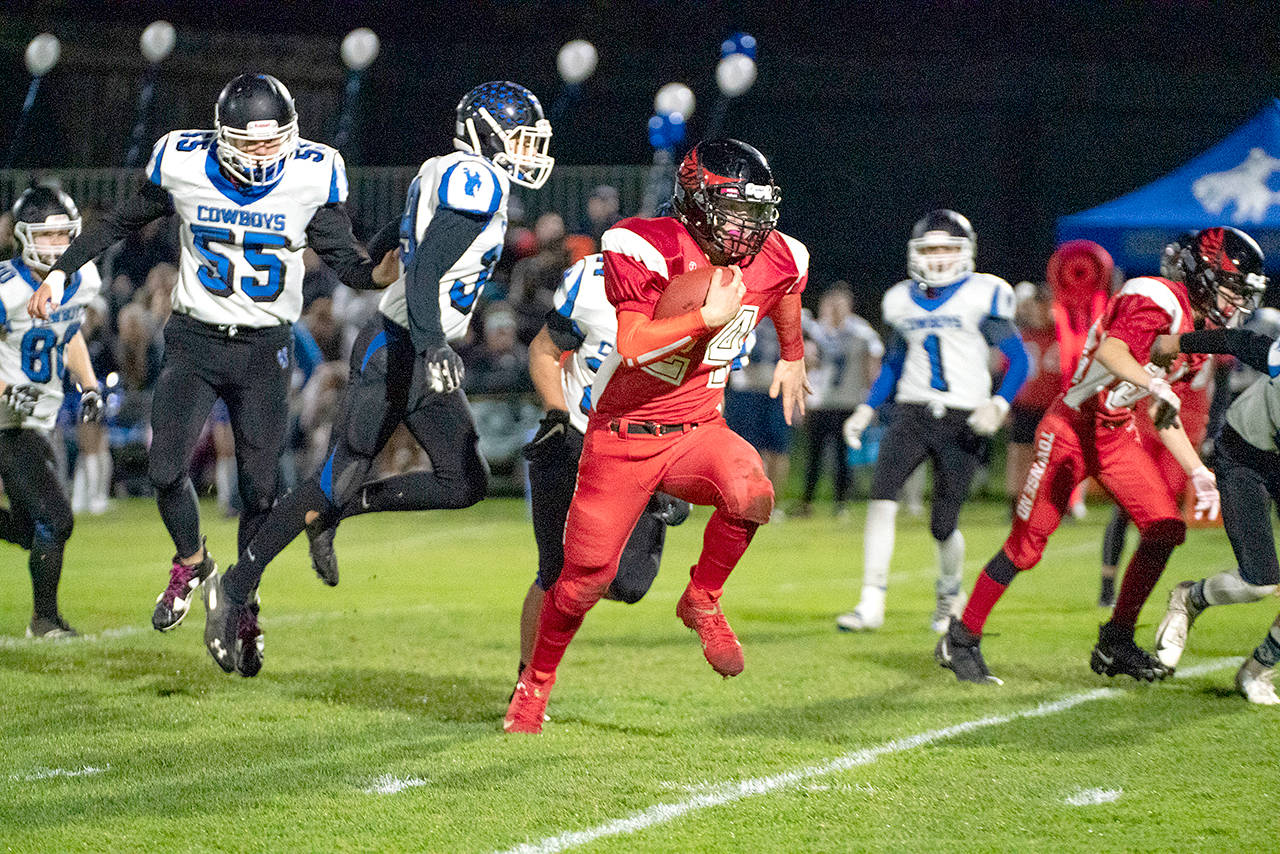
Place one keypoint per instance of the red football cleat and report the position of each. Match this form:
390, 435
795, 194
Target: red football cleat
700, 611
529, 702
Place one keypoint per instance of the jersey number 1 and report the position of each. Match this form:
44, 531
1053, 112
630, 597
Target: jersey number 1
937, 379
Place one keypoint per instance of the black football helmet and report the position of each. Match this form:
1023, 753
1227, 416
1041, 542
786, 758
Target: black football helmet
42, 211
1171, 256
1222, 269
942, 249
503, 121
257, 127
725, 194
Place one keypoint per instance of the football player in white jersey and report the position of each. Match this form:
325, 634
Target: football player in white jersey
33, 355
945, 319
402, 367
251, 195
583, 323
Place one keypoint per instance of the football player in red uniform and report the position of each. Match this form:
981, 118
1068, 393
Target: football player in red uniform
1090, 431
657, 422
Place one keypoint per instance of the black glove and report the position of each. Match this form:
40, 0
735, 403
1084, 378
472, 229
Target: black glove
444, 370
92, 407
20, 398
549, 440
671, 511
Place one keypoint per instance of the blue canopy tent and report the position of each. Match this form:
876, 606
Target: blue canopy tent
1237, 183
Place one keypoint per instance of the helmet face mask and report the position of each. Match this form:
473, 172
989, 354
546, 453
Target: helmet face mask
725, 195
504, 122
257, 129
1222, 269
46, 220
942, 249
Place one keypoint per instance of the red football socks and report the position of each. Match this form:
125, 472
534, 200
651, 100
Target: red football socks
986, 593
723, 543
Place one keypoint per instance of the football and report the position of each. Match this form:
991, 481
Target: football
686, 292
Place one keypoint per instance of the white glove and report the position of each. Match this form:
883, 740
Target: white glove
444, 370
856, 423
987, 418
1205, 484
1167, 403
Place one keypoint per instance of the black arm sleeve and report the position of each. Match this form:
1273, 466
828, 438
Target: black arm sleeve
147, 203
329, 234
1246, 345
386, 239
446, 238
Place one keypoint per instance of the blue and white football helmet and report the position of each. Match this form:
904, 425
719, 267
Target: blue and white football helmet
255, 111
941, 250
503, 121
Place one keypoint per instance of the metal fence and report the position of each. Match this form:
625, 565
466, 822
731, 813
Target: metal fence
377, 193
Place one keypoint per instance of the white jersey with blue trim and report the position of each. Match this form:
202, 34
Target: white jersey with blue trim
469, 184
1255, 414
580, 299
242, 246
31, 350
947, 351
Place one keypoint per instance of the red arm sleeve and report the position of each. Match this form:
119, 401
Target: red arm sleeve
786, 319
642, 341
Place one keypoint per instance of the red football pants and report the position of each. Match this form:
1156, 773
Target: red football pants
618, 472
1068, 448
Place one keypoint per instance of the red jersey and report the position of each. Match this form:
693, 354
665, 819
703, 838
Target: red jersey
1044, 377
641, 256
1144, 308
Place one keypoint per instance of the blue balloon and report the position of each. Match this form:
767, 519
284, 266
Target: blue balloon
743, 43
666, 131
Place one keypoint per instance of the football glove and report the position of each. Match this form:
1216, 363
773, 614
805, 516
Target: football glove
668, 509
92, 407
444, 370
856, 423
20, 398
548, 442
987, 418
1205, 485
1167, 403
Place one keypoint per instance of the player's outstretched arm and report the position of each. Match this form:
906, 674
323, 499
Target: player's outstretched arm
81, 369
544, 370
1203, 482
149, 202
329, 233
789, 376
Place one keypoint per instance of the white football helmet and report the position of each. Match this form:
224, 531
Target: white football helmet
941, 250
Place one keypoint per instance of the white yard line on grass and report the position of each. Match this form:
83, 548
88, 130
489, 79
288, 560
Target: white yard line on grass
46, 773
736, 790
389, 784
1093, 797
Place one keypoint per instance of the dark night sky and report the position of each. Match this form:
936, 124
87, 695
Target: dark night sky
870, 113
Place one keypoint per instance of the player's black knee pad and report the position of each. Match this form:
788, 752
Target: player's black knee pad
53, 529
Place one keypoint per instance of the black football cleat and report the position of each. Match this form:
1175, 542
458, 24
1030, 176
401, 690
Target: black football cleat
324, 560
231, 632
249, 635
959, 650
50, 629
1116, 654
174, 601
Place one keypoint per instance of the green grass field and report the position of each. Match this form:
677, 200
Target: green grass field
376, 723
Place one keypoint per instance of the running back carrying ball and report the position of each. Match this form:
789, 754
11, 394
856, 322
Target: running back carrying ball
687, 292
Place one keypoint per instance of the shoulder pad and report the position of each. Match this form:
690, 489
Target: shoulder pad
471, 185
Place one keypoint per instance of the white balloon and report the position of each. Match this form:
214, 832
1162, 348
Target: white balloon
735, 74
360, 48
577, 60
157, 41
674, 98
42, 54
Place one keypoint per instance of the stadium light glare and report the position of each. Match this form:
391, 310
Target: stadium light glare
360, 48
735, 74
674, 99
42, 54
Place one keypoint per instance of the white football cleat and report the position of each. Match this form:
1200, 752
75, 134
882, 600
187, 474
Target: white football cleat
1257, 683
1171, 634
